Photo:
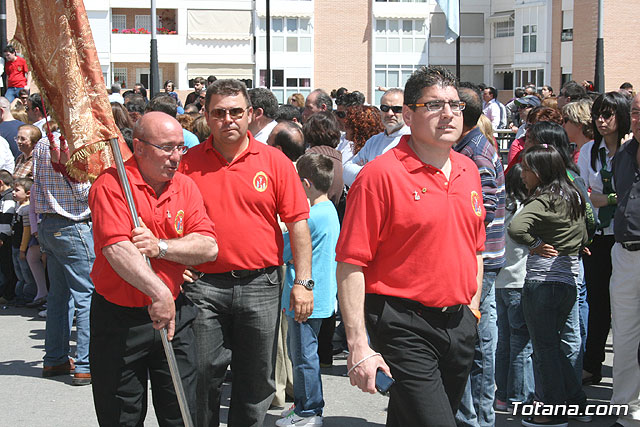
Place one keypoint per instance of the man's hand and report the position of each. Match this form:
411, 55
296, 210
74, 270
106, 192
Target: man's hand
59, 150
301, 302
23, 255
544, 250
364, 375
145, 241
163, 312
190, 276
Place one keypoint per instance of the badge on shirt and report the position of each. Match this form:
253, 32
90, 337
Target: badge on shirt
476, 203
260, 181
178, 223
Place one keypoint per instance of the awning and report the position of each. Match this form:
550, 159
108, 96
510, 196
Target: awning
501, 69
219, 24
221, 71
501, 16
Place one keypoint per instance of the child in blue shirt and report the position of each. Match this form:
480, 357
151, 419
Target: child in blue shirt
316, 173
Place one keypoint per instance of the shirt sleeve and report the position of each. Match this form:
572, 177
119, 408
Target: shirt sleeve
361, 227
197, 221
488, 177
108, 210
522, 225
292, 202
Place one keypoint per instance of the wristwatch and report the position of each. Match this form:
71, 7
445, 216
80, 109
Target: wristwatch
162, 248
308, 283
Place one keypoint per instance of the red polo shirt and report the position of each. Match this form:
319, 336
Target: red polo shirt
16, 71
243, 198
415, 234
178, 211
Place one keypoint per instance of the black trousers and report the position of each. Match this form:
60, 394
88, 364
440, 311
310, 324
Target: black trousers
125, 351
597, 273
429, 354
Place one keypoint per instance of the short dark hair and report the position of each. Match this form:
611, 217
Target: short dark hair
626, 86
285, 139
548, 88
619, 105
473, 109
323, 98
165, 103
6, 177
200, 80
211, 79
492, 90
263, 98
226, 87
573, 90
318, 169
37, 101
288, 112
25, 183
322, 128
425, 77
519, 92
9, 48
350, 99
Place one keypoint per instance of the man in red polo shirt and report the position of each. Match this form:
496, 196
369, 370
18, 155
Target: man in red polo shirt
17, 71
410, 260
246, 185
133, 301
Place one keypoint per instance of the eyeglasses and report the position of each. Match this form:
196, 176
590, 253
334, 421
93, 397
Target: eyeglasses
524, 106
395, 108
456, 106
606, 115
234, 113
341, 114
202, 97
20, 139
169, 149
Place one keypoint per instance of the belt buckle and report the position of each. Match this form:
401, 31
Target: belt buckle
235, 275
444, 309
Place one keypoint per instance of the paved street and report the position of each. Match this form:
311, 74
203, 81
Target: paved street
28, 400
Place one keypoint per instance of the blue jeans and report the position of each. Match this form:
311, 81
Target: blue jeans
476, 406
26, 285
12, 93
69, 248
546, 307
302, 341
236, 325
514, 365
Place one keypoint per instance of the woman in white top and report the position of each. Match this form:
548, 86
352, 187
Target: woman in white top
611, 122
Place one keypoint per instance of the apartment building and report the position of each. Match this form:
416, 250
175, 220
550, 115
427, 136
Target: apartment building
363, 45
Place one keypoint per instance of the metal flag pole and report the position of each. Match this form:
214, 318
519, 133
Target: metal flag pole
168, 348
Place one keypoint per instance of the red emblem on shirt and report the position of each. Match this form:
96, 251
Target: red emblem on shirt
179, 222
260, 181
476, 203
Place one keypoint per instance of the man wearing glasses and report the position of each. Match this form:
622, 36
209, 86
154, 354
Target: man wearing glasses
411, 208
394, 129
129, 296
246, 185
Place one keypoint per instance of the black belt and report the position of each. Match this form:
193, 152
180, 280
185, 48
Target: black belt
635, 246
242, 274
450, 309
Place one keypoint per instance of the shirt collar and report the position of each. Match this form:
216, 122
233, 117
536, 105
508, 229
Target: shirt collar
404, 130
412, 162
466, 139
253, 148
135, 178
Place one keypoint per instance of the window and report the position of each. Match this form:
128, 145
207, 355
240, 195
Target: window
471, 25
529, 38
118, 22
143, 76
120, 76
287, 35
526, 77
284, 86
400, 35
390, 76
567, 35
144, 21
503, 29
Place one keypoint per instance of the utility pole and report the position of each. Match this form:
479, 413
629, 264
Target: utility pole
154, 70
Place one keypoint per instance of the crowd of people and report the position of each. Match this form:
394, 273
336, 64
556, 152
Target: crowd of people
280, 235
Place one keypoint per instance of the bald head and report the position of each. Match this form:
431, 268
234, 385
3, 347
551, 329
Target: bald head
155, 122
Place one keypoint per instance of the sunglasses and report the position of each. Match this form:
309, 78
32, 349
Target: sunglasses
606, 115
234, 113
395, 108
524, 106
341, 114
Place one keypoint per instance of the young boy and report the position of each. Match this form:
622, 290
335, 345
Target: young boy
7, 209
25, 286
316, 173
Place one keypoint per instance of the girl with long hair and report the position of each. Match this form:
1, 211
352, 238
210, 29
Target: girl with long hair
552, 216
